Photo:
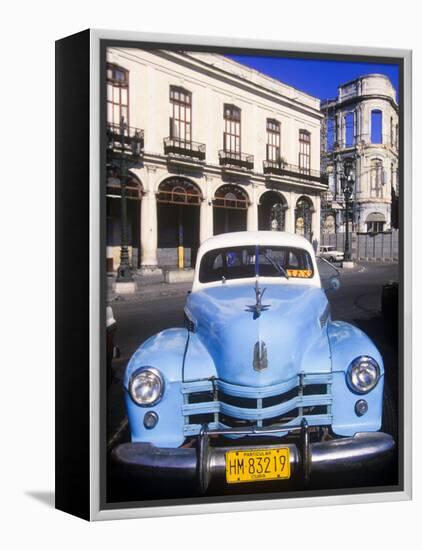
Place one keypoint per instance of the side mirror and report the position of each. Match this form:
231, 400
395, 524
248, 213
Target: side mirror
334, 283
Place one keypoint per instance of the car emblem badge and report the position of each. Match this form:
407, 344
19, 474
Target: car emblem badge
260, 358
258, 307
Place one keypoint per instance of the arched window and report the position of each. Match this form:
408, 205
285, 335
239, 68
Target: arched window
114, 190
272, 211
179, 191
376, 126
231, 196
349, 121
303, 217
376, 178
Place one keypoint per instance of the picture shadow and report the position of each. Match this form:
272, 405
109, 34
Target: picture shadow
45, 497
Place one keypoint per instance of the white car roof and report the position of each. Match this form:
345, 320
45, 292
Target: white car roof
242, 238
263, 238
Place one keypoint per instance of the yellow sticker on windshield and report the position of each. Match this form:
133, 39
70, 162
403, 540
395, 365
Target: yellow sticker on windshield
300, 273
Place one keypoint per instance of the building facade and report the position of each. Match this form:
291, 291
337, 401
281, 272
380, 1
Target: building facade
224, 148
362, 124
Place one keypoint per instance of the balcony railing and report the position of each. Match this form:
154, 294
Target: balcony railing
290, 170
183, 148
133, 140
235, 159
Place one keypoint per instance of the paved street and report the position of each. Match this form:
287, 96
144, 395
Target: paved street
138, 317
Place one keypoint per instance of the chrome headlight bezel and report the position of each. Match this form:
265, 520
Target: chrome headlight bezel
142, 372
351, 376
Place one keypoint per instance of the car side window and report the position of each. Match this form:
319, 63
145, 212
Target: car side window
218, 262
293, 260
326, 272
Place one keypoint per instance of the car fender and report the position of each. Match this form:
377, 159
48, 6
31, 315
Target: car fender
165, 352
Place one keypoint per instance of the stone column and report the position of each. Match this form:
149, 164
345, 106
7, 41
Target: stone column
252, 216
206, 218
288, 220
343, 129
366, 130
358, 118
358, 175
149, 231
316, 222
290, 214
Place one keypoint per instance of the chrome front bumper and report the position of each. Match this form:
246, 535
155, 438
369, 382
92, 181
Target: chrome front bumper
351, 455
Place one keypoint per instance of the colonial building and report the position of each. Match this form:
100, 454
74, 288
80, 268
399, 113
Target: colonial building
224, 148
361, 124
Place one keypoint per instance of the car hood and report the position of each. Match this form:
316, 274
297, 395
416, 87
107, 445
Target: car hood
291, 334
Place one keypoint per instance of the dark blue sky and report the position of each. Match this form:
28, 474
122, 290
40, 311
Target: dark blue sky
318, 78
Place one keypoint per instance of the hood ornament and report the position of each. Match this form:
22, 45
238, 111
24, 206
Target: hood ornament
260, 358
258, 307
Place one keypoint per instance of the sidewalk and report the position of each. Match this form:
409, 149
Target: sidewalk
357, 268
146, 290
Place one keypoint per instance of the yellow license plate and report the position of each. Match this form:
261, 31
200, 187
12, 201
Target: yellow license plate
257, 465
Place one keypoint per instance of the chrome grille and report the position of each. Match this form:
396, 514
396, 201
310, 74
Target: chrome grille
221, 405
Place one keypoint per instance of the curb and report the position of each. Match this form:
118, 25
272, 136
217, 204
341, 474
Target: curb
150, 292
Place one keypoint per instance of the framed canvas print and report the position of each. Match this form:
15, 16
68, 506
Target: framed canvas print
233, 274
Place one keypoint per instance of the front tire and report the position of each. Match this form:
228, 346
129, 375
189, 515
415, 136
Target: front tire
332, 259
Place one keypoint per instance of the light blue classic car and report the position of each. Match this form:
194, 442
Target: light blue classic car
260, 384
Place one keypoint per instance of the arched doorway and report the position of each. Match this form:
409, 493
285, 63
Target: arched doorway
272, 212
329, 223
303, 217
114, 216
230, 209
178, 201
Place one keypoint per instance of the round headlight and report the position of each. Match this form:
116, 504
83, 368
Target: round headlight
363, 374
146, 386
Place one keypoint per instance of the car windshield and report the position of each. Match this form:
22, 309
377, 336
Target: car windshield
240, 262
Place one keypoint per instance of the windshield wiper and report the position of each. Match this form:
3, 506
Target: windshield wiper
277, 266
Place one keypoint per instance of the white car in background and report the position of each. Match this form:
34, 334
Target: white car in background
331, 254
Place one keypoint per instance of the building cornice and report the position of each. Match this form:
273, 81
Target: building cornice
182, 58
338, 105
254, 87
362, 150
